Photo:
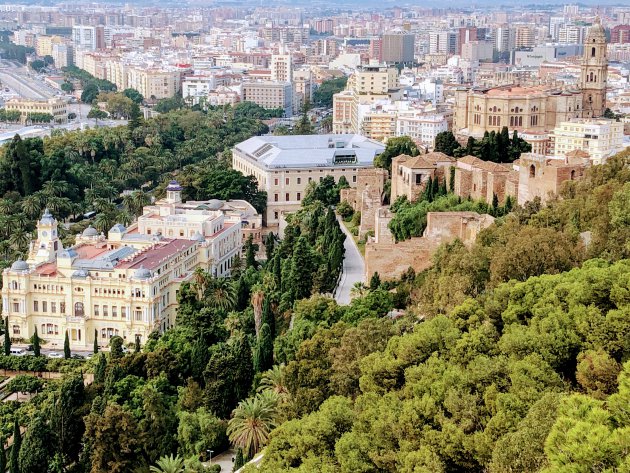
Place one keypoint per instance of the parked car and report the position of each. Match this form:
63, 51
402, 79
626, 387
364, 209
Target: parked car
18, 351
78, 356
89, 356
55, 354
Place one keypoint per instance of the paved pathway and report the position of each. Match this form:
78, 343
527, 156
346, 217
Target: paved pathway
353, 268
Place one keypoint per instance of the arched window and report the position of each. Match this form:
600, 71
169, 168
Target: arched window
532, 171
78, 309
573, 175
593, 51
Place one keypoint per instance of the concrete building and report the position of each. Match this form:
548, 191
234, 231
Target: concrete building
284, 166
599, 138
124, 284
62, 55
397, 48
87, 37
270, 95
55, 107
281, 68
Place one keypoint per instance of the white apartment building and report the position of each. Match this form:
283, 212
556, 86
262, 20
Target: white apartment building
88, 37
269, 94
599, 138
284, 166
421, 127
281, 68
197, 86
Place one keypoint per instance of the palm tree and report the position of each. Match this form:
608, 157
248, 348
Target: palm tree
221, 293
358, 289
273, 380
6, 207
251, 423
31, 206
19, 240
140, 199
257, 299
169, 464
200, 282
55, 188
104, 221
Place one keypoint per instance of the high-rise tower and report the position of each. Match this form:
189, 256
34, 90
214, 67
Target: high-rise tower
594, 72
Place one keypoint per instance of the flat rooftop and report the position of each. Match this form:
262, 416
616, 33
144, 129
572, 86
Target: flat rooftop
308, 151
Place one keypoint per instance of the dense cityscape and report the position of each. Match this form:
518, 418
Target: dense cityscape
294, 237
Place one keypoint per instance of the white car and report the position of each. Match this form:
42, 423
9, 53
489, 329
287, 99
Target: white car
54, 354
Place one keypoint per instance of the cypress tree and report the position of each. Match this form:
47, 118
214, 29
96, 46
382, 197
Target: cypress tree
14, 464
452, 179
268, 317
495, 204
239, 461
263, 359
101, 368
3, 456
435, 189
7, 337
270, 245
36, 345
375, 282
66, 347
250, 253
95, 349
427, 190
137, 345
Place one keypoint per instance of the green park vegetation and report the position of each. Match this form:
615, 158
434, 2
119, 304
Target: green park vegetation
74, 172
323, 96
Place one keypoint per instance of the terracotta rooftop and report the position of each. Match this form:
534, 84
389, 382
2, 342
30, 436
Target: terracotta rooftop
483, 165
577, 153
153, 257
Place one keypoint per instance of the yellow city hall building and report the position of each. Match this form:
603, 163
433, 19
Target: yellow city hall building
124, 284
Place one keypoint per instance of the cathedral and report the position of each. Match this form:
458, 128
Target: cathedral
537, 108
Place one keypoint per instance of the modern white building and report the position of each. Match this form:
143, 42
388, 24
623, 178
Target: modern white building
599, 138
284, 166
421, 127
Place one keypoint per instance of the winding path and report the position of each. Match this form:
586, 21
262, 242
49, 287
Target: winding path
353, 268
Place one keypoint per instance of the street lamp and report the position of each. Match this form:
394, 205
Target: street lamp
210, 452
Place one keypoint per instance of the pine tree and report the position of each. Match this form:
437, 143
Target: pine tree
7, 337
14, 463
66, 347
239, 461
95, 349
36, 345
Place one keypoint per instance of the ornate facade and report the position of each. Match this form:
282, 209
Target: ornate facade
537, 108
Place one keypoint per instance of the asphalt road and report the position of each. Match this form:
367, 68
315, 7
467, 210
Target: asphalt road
353, 269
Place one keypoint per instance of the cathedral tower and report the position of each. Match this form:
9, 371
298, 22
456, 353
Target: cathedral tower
594, 72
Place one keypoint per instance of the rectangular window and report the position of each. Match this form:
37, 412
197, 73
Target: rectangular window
96, 311
299, 196
299, 180
105, 311
35, 306
354, 178
53, 307
286, 181
286, 197
62, 307
114, 311
418, 178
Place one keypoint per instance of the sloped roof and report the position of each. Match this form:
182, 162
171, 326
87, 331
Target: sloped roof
483, 165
